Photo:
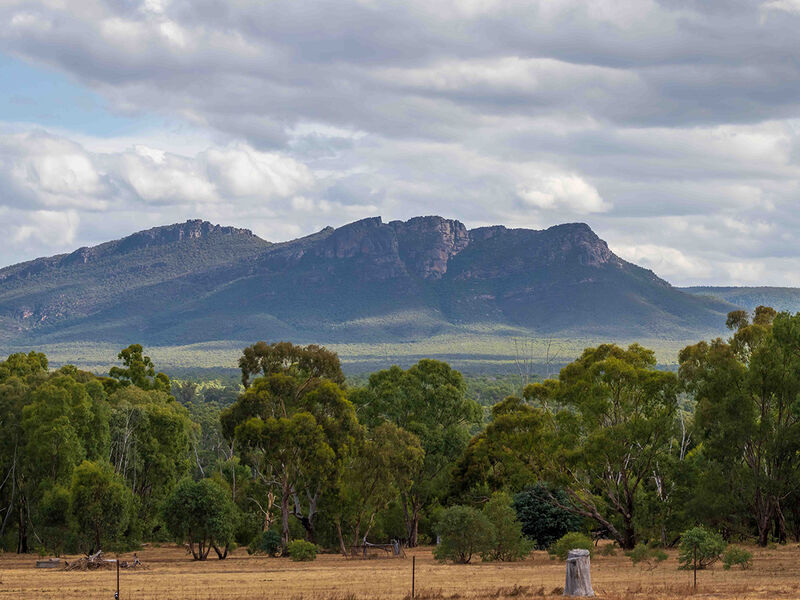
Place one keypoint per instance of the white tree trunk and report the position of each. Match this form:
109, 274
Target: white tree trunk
579, 579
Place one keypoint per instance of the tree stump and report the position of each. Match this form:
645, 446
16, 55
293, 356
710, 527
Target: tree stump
579, 579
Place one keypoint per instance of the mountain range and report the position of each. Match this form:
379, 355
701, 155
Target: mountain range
780, 298
368, 281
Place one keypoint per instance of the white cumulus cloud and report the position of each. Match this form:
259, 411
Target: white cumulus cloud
566, 191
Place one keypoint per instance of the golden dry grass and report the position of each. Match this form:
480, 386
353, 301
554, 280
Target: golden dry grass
172, 575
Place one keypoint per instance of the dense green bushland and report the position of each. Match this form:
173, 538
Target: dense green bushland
291, 450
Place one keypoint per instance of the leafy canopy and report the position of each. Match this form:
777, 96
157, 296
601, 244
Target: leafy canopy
612, 415
465, 532
201, 514
428, 400
506, 455
138, 370
100, 503
748, 414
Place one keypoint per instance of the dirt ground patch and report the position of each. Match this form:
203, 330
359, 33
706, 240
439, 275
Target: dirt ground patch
172, 575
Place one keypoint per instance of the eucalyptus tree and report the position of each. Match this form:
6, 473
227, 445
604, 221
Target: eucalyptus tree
201, 514
506, 455
429, 400
138, 370
747, 391
611, 415
50, 422
150, 432
308, 363
377, 472
100, 503
293, 425
19, 373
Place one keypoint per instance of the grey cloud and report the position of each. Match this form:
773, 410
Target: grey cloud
670, 126
676, 64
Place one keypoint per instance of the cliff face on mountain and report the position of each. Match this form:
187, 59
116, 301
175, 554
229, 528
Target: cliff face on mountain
426, 244
368, 280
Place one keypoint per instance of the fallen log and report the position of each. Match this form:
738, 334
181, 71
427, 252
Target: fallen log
50, 563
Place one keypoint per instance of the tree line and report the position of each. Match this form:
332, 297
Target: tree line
613, 446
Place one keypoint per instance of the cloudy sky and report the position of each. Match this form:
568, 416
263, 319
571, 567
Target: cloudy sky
672, 127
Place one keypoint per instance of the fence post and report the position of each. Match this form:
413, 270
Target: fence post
413, 574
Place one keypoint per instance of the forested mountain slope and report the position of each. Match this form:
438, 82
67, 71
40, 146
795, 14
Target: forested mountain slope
366, 281
780, 298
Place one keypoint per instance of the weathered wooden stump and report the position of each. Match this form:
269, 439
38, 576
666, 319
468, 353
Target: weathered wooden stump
579, 579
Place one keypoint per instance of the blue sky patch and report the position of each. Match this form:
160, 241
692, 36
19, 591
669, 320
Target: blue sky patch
34, 94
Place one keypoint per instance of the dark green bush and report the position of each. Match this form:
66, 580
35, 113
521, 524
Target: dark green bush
301, 550
267, 542
541, 521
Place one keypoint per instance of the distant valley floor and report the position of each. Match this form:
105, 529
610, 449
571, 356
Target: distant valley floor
478, 354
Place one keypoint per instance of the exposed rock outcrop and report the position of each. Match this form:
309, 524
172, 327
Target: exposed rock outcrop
428, 243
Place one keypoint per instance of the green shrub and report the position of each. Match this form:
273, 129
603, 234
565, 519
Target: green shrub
570, 541
267, 542
301, 550
651, 556
542, 521
701, 543
736, 555
509, 543
464, 532
609, 549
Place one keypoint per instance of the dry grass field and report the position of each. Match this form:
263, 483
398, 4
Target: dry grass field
171, 575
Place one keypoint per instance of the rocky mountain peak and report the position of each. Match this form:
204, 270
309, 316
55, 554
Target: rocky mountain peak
367, 237
192, 229
427, 244
421, 246
579, 242
157, 236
